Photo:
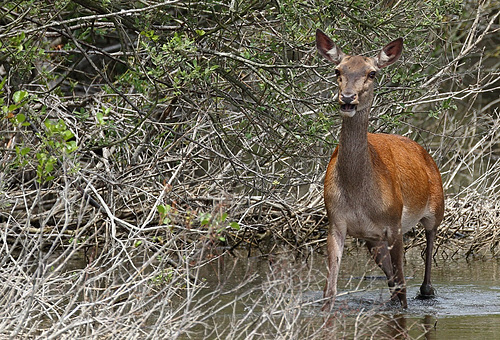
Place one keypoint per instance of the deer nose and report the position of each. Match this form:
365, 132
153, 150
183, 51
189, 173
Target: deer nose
348, 98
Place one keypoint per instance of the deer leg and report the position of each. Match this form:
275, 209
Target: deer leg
397, 256
380, 252
426, 290
335, 246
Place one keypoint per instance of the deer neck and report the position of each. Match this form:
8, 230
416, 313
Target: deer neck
354, 166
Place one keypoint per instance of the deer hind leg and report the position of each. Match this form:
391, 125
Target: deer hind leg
380, 252
397, 256
426, 290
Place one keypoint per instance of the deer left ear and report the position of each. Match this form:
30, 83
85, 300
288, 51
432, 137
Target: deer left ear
390, 53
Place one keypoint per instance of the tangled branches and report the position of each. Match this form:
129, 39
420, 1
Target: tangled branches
134, 130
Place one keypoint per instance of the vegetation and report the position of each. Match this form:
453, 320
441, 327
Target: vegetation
138, 137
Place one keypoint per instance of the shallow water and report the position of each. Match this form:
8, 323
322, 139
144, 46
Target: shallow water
467, 304
269, 291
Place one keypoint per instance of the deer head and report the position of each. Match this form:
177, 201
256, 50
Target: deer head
356, 74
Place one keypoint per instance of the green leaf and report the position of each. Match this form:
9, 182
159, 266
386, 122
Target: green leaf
100, 118
20, 118
41, 156
48, 124
67, 134
49, 166
163, 208
60, 126
71, 146
205, 218
12, 107
19, 96
235, 225
22, 151
223, 217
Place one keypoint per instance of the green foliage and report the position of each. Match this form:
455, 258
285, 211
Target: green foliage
165, 210
20, 98
22, 52
446, 105
150, 34
218, 224
100, 115
56, 144
56, 139
164, 277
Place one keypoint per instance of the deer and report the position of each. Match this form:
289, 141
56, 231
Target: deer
377, 186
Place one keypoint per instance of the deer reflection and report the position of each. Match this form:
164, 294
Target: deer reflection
367, 324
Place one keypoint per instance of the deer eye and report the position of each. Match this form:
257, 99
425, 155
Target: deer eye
372, 74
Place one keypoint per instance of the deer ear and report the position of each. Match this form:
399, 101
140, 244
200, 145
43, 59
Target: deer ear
327, 48
390, 53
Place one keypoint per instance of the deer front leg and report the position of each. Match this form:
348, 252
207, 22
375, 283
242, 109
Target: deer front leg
335, 246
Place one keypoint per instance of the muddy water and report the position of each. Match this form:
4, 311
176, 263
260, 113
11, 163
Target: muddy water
467, 305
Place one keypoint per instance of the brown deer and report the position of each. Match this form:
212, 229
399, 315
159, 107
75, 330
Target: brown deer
377, 186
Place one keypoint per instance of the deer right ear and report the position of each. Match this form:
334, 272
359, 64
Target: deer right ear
327, 48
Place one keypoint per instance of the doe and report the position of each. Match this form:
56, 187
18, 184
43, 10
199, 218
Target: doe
377, 186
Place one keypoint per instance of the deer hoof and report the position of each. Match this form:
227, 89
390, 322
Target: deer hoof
426, 292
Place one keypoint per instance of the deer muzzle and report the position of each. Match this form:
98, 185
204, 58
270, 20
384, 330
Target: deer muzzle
348, 103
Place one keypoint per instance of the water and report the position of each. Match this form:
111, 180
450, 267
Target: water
467, 305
